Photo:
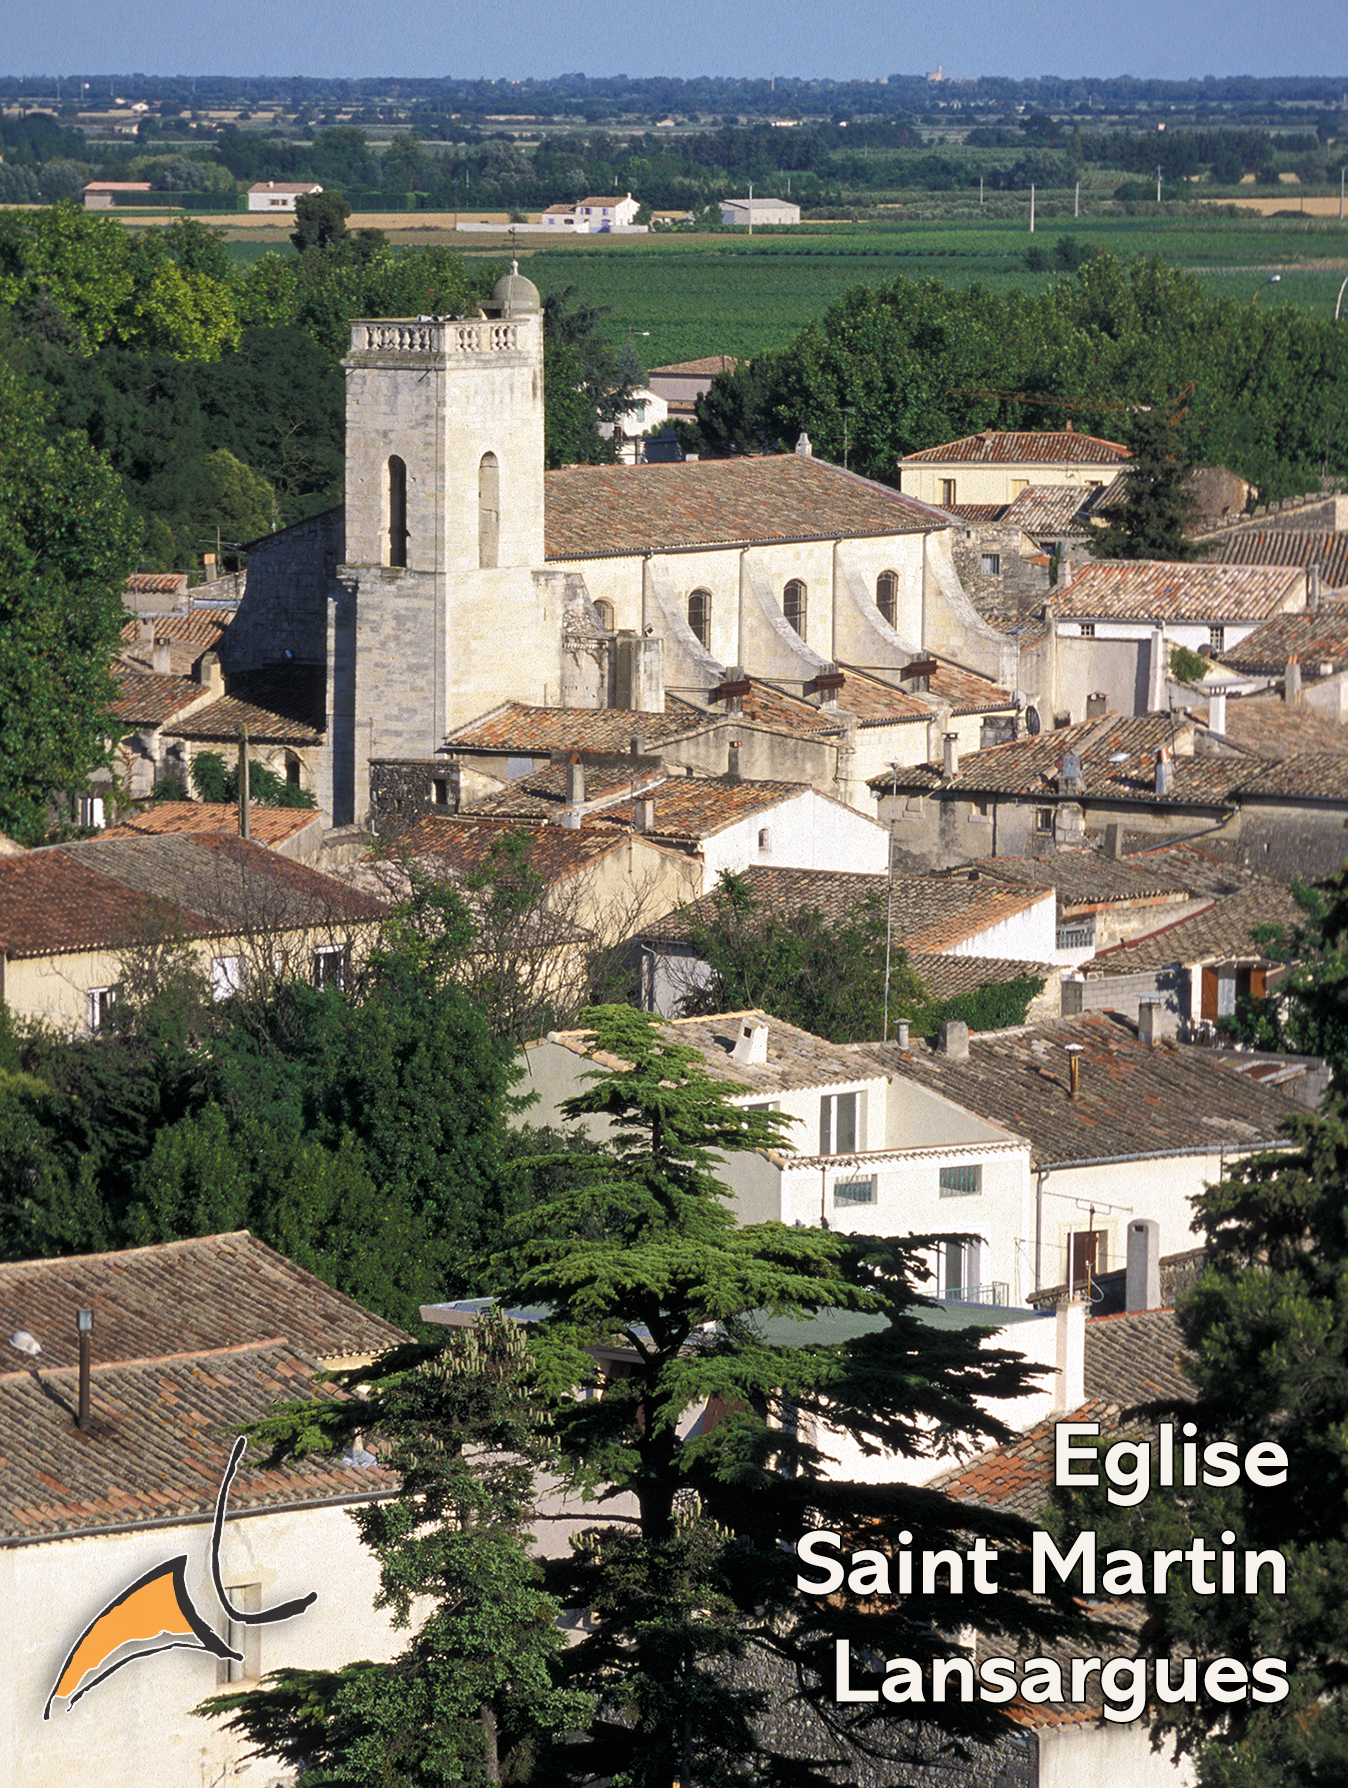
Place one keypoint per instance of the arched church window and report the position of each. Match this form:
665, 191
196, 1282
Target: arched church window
604, 610
699, 616
488, 511
887, 595
793, 605
397, 511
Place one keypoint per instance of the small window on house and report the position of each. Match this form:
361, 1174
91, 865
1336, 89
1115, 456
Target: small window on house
992, 564
226, 977
980, 810
793, 605
838, 1124
440, 790
960, 1262
1216, 639
1088, 630
765, 839
1086, 1255
605, 612
488, 511
1043, 819
854, 1192
91, 810
330, 965
243, 1636
887, 596
947, 492
961, 1182
99, 1002
699, 616
397, 511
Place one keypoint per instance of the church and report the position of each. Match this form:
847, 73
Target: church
459, 575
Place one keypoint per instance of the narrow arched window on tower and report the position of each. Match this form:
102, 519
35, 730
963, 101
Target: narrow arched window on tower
699, 616
887, 595
488, 511
793, 605
397, 511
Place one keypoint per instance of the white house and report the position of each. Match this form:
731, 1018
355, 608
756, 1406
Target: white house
867, 1152
607, 213
279, 195
188, 1341
745, 212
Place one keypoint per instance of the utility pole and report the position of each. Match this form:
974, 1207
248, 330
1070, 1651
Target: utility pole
243, 782
1032, 211
1158, 186
980, 189
751, 207
1076, 209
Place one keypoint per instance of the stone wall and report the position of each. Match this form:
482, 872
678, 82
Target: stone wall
291, 581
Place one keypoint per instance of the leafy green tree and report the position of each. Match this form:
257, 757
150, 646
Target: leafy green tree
692, 1606
215, 780
320, 219
1151, 520
1306, 1014
473, 1693
66, 546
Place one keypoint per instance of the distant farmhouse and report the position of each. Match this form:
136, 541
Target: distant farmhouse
744, 212
279, 195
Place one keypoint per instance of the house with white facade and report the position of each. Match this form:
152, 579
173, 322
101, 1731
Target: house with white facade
868, 1152
996, 467
1122, 1123
747, 212
607, 212
279, 195
188, 1341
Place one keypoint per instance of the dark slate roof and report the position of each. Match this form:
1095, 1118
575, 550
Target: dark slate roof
594, 511
1222, 932
1056, 446
927, 912
1133, 1100
1314, 639
1155, 590
1117, 763
112, 891
160, 1438
281, 704
1289, 546
184, 1297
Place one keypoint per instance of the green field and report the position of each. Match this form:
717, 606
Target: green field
734, 295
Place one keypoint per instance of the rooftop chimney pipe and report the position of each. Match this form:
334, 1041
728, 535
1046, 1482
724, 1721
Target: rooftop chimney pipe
1149, 1022
84, 1323
1074, 1068
575, 781
1142, 1279
950, 755
1292, 682
733, 761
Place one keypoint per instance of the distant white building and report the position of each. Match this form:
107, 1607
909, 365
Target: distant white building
646, 411
608, 213
758, 211
279, 195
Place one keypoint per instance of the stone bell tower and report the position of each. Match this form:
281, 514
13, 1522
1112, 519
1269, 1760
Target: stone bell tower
448, 609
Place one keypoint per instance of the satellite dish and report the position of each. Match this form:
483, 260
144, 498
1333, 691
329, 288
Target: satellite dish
1032, 721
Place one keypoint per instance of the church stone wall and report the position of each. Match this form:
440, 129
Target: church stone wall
291, 581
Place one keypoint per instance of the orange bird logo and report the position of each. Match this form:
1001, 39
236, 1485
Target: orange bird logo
156, 1613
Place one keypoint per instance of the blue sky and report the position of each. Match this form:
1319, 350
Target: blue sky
1174, 39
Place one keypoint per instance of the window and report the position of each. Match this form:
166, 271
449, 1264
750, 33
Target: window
441, 790
91, 810
605, 612
1216, 639
765, 840
887, 596
397, 511
947, 492
99, 1002
793, 605
488, 511
226, 977
1088, 630
961, 1182
330, 965
838, 1133
699, 616
243, 1636
991, 564
1043, 819
960, 1263
854, 1192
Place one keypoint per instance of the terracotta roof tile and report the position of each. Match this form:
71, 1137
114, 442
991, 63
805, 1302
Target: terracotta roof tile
597, 510
689, 809
198, 627
927, 912
542, 796
705, 368
1049, 447
1155, 590
157, 583
1223, 931
146, 698
180, 1297
1289, 546
463, 844
1264, 725
516, 728
1134, 1100
1311, 638
280, 704
266, 825
1306, 776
